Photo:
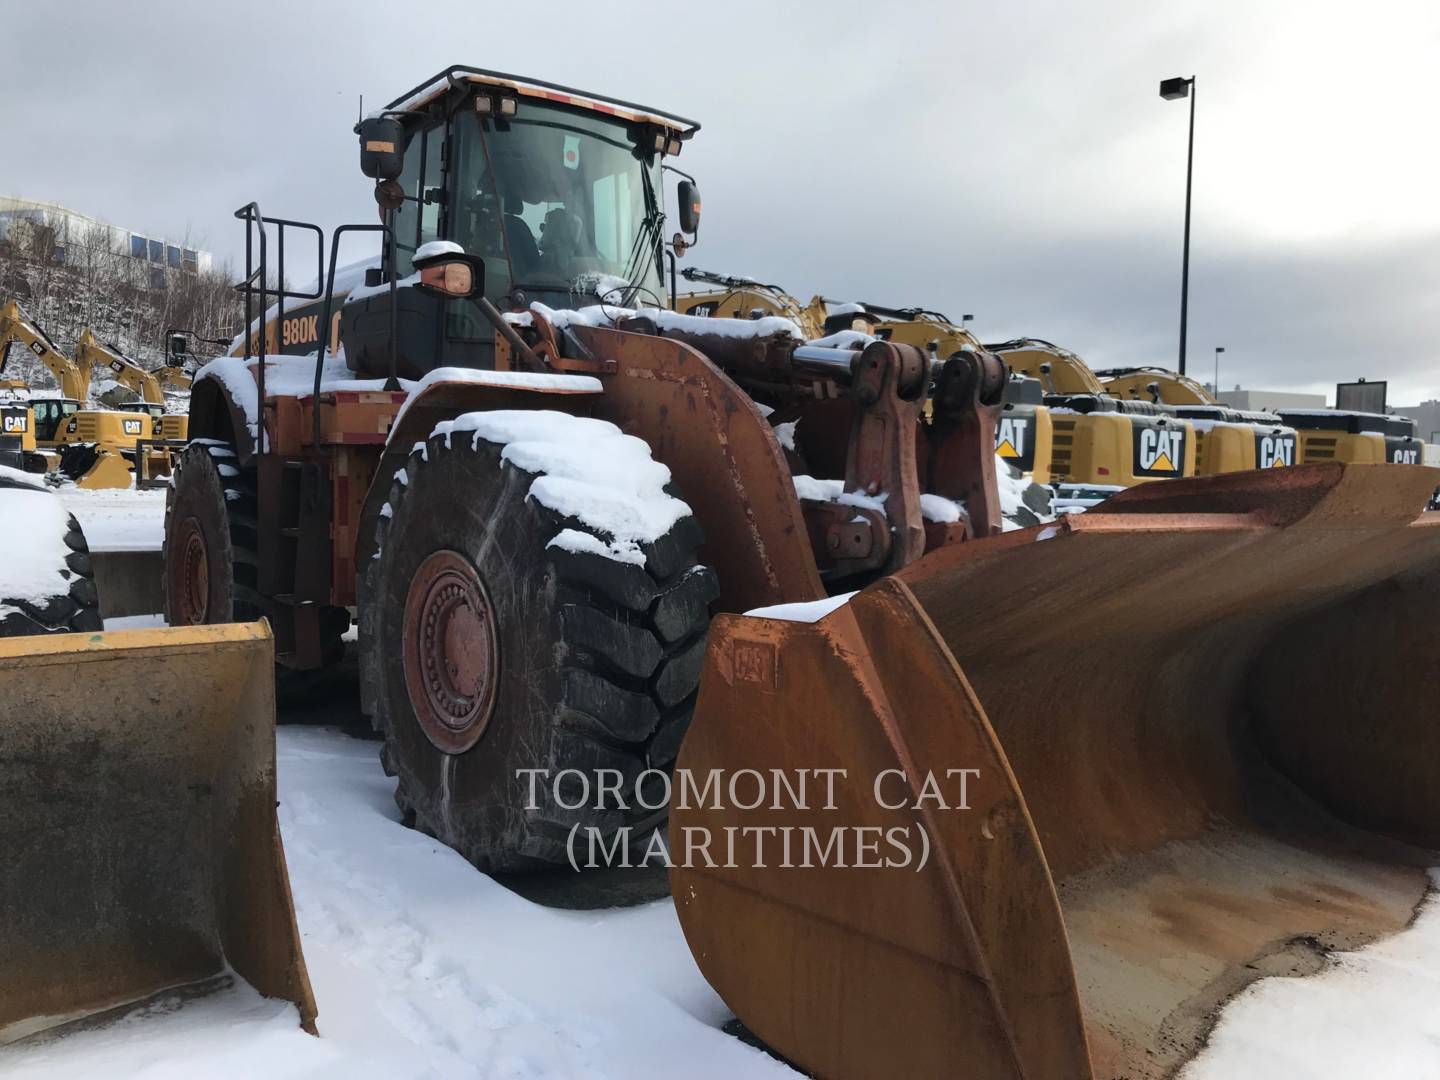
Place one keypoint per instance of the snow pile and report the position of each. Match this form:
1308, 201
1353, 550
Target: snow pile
940, 509
1022, 502
602, 315
602, 286
1370, 1013
785, 434
806, 612
285, 376
118, 519
770, 326
424, 967
32, 555
844, 339
511, 380
586, 469
808, 487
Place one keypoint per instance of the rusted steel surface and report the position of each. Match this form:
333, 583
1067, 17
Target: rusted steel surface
961, 445
889, 385
724, 458
961, 968
1216, 726
139, 840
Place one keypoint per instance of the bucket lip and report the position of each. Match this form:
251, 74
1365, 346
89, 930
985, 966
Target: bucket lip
63, 648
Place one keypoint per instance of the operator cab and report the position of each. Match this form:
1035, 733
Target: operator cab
558, 192
49, 414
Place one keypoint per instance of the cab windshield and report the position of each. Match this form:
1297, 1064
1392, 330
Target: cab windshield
565, 200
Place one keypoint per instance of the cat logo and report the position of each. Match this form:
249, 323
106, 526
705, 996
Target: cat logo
132, 427
1274, 451
16, 423
116, 365
37, 348
1404, 456
1159, 451
1014, 441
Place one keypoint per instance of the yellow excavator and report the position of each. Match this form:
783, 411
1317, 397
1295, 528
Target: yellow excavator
1027, 804
151, 454
1226, 439
97, 448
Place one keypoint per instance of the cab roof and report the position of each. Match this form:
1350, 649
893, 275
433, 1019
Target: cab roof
548, 91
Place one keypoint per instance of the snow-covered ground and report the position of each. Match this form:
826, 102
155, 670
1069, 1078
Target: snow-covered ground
118, 519
423, 967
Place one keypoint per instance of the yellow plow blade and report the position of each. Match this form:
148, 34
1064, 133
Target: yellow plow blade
138, 835
1201, 720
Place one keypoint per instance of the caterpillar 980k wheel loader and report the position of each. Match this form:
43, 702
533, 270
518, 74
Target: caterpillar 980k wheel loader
1077, 798
140, 848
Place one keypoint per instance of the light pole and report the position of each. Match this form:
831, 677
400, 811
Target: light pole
1171, 90
1218, 350
965, 320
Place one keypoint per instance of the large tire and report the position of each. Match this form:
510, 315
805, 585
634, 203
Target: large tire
585, 663
74, 605
211, 561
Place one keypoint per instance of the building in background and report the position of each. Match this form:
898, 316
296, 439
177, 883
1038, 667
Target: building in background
68, 228
1270, 400
1426, 416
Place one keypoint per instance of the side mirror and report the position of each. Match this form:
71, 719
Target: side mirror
446, 270
177, 348
382, 147
688, 196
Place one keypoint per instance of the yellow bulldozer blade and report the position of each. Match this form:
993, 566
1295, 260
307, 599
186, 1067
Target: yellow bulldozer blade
138, 836
110, 470
1098, 776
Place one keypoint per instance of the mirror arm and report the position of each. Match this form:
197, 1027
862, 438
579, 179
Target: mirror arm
516, 342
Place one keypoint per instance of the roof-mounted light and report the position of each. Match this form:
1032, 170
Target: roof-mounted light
503, 105
672, 147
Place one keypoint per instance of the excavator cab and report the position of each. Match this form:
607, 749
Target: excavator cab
50, 413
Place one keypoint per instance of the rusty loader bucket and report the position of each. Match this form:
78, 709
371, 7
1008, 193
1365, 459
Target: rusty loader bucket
1097, 777
138, 840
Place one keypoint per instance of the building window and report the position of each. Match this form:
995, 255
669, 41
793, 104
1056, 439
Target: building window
172, 257
157, 251
138, 246
192, 261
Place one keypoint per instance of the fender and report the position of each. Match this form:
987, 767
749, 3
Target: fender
445, 399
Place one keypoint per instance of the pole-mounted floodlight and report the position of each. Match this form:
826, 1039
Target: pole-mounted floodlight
1173, 90
965, 320
1218, 350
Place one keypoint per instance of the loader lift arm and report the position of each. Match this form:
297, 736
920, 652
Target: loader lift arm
17, 326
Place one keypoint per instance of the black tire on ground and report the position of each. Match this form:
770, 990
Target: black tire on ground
213, 498
76, 608
597, 660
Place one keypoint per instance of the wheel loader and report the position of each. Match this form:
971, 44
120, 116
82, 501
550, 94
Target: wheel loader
1226, 439
1118, 766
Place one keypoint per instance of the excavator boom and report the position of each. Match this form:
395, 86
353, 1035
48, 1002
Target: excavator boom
17, 327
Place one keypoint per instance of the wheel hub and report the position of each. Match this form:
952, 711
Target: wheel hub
451, 650
193, 587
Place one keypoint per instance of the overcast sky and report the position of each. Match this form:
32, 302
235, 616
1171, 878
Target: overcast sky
1013, 161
